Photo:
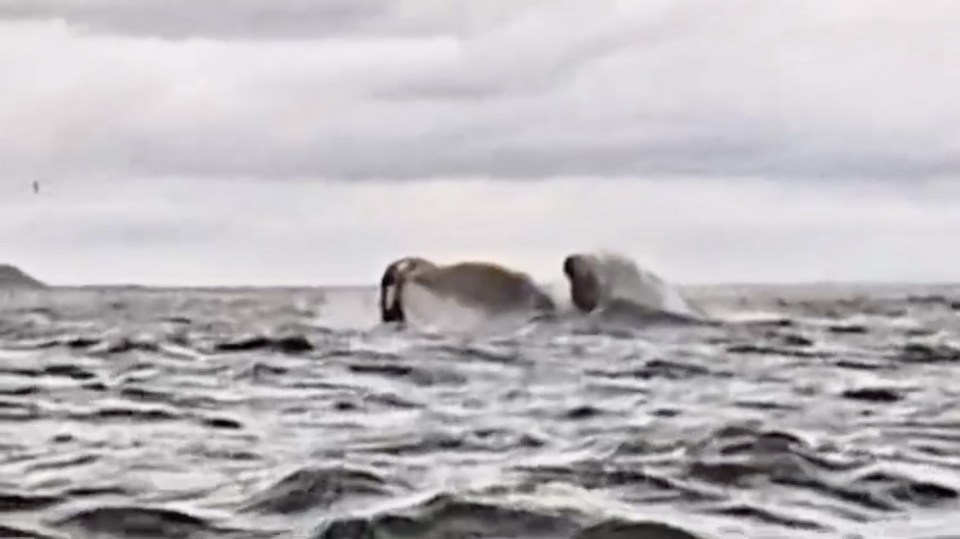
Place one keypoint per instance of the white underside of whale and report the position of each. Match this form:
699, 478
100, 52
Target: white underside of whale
623, 281
428, 310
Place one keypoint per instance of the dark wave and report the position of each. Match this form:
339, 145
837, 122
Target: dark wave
448, 515
139, 522
452, 516
12, 532
293, 344
318, 488
625, 529
916, 352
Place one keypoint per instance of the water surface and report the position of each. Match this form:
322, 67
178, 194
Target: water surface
821, 412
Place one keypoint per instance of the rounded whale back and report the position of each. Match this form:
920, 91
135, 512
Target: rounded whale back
486, 287
604, 280
494, 286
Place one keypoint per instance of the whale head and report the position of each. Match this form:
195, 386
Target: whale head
391, 286
584, 282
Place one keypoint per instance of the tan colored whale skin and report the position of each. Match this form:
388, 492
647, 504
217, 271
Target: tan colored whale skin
480, 283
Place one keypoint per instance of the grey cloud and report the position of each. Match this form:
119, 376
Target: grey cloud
431, 89
243, 231
224, 18
79, 228
276, 19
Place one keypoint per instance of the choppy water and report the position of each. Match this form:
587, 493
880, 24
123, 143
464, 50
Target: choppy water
287, 413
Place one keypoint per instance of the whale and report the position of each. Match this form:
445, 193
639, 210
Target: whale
483, 286
607, 283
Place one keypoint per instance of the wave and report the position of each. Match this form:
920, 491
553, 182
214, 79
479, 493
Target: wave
310, 488
458, 515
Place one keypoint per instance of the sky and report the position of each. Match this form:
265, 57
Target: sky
313, 142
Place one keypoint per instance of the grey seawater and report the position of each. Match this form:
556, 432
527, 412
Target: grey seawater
815, 412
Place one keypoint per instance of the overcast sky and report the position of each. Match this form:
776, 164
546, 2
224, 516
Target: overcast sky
312, 141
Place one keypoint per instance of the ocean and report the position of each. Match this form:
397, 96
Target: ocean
814, 411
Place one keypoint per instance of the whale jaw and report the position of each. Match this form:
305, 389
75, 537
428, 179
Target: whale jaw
584, 283
391, 286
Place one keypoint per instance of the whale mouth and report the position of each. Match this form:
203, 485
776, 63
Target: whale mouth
390, 310
392, 283
584, 283
568, 264
613, 284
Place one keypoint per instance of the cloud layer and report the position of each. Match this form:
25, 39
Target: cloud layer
378, 89
247, 231
715, 141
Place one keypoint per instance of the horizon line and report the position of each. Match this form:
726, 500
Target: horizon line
373, 284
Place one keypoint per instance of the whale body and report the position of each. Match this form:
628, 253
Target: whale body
612, 284
414, 284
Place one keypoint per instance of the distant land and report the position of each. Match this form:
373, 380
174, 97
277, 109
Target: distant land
14, 277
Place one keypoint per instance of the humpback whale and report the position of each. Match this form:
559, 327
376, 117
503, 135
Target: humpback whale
486, 286
612, 284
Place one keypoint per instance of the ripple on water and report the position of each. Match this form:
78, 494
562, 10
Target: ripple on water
11, 532
139, 522
291, 344
919, 352
453, 516
447, 515
625, 529
635, 483
11, 501
312, 488
115, 402
417, 375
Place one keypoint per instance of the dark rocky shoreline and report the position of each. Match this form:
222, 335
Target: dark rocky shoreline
14, 277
